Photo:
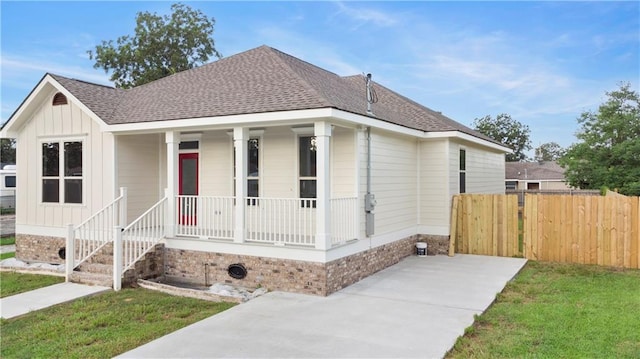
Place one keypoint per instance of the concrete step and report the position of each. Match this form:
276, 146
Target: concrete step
96, 268
101, 259
92, 279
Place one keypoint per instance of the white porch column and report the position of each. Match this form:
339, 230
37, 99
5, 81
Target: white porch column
172, 139
240, 138
322, 131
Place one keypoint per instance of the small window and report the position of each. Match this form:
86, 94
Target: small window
10, 182
59, 99
188, 145
307, 174
512, 185
463, 171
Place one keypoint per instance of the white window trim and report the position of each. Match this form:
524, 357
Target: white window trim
61, 177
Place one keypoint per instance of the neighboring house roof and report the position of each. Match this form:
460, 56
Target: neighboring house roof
534, 171
255, 81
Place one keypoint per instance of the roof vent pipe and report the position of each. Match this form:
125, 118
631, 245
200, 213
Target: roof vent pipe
371, 95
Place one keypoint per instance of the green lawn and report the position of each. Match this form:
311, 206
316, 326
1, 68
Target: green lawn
7, 255
554, 310
7, 241
13, 283
101, 326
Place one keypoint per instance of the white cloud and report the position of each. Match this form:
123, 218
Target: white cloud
363, 15
13, 67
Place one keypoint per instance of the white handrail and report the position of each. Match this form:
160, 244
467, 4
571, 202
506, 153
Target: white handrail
143, 234
94, 233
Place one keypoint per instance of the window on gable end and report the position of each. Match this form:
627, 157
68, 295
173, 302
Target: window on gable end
59, 99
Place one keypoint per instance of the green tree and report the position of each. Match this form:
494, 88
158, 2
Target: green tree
7, 150
608, 151
161, 46
507, 131
549, 151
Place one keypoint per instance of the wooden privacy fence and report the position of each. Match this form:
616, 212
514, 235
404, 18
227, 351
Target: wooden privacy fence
563, 228
485, 224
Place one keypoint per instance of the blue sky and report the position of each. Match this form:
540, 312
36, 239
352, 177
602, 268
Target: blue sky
543, 63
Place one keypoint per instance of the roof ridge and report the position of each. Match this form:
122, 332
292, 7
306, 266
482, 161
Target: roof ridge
278, 55
85, 82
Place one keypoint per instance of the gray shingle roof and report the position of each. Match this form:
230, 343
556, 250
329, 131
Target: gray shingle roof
534, 171
255, 81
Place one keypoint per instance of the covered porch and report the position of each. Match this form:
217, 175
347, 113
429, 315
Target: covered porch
282, 185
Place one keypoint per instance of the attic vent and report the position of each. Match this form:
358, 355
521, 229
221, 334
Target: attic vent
59, 99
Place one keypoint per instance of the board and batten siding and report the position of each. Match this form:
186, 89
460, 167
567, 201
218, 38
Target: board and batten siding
52, 123
139, 170
394, 171
435, 184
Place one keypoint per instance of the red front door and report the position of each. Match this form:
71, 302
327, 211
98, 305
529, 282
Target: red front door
188, 186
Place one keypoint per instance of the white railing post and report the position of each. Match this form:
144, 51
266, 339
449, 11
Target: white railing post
123, 207
70, 253
322, 131
117, 258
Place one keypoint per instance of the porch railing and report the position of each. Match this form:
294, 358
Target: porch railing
344, 220
205, 216
281, 221
94, 233
278, 221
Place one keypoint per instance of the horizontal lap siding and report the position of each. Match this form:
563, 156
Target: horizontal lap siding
216, 164
484, 170
60, 123
434, 179
343, 163
139, 171
393, 180
279, 163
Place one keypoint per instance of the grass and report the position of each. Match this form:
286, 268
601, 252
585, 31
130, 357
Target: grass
7, 255
7, 241
554, 310
13, 283
101, 326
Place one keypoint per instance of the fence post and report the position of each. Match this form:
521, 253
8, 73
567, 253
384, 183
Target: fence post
117, 258
70, 253
123, 207
453, 226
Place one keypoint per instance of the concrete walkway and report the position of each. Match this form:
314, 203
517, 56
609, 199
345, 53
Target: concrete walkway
26, 302
414, 309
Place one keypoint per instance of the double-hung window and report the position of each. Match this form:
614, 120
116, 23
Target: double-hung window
307, 169
62, 172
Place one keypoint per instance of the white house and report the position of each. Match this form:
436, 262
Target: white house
257, 169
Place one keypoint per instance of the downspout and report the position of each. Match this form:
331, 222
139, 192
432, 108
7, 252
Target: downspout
369, 198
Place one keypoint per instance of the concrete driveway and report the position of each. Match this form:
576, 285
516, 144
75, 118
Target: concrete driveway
414, 309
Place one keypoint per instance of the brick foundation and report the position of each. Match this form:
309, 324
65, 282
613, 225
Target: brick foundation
149, 267
206, 268
32, 248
